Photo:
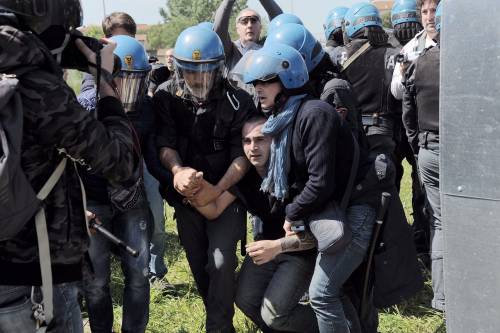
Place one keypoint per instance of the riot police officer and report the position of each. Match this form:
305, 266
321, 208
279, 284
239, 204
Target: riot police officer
200, 116
333, 34
404, 19
369, 67
421, 120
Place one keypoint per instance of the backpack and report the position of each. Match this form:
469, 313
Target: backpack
18, 201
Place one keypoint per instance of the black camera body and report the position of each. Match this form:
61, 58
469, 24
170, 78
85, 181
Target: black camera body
73, 58
407, 57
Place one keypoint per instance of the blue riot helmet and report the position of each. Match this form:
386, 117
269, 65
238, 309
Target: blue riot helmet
404, 11
360, 16
282, 19
206, 25
334, 20
132, 80
199, 60
301, 39
439, 13
271, 62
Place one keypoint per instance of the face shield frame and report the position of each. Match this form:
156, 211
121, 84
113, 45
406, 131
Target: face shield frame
132, 86
199, 77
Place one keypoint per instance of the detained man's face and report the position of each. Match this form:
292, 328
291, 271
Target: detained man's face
267, 92
248, 26
255, 144
428, 13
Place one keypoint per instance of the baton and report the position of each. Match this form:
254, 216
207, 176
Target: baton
115, 240
385, 200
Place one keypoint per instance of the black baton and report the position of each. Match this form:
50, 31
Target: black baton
385, 200
115, 240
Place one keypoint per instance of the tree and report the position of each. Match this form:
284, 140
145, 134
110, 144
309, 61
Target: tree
94, 31
180, 14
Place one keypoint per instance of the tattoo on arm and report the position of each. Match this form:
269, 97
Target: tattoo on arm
298, 242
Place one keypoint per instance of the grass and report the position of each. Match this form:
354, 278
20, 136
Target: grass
184, 311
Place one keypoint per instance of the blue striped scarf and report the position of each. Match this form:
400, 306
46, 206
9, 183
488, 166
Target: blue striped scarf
279, 127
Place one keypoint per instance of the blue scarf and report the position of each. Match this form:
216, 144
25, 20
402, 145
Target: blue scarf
279, 127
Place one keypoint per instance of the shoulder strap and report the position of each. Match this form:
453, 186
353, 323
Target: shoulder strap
352, 175
355, 56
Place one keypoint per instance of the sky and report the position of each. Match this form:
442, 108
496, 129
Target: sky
312, 12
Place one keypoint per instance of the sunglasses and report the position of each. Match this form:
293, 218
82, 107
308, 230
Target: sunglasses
245, 19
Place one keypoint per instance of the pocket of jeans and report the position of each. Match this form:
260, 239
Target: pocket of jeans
15, 305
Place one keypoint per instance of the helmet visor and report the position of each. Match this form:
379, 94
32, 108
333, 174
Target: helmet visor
199, 77
132, 87
256, 66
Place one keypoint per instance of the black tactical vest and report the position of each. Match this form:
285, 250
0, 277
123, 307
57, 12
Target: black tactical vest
427, 90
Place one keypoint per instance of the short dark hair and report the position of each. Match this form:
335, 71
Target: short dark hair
118, 20
420, 3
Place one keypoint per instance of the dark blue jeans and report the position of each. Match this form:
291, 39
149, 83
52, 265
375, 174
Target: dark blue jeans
16, 314
334, 311
211, 252
133, 227
157, 265
269, 294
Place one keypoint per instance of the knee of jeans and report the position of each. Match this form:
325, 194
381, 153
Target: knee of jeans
272, 317
221, 260
320, 294
244, 303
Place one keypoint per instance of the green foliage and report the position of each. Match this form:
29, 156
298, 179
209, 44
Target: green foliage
180, 14
94, 31
386, 20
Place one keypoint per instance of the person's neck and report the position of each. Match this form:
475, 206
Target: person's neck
262, 171
430, 36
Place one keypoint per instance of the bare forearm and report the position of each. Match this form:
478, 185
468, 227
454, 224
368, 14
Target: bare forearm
234, 173
170, 159
298, 242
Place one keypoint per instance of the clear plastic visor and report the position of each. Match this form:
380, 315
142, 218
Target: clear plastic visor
199, 78
132, 86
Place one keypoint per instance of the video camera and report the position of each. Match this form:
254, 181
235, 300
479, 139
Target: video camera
407, 57
73, 58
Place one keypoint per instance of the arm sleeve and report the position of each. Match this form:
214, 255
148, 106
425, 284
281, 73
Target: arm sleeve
397, 87
221, 25
272, 8
410, 114
105, 145
318, 134
166, 133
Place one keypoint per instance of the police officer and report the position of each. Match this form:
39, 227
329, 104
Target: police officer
200, 117
131, 220
422, 40
333, 34
281, 20
369, 67
52, 118
405, 21
421, 120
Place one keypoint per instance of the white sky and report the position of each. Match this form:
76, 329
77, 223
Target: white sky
312, 12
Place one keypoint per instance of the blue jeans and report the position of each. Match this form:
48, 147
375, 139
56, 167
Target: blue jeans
16, 314
132, 227
269, 294
428, 162
334, 311
157, 265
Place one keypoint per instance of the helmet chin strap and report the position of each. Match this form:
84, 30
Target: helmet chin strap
57, 52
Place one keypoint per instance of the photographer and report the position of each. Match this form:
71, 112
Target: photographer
33, 36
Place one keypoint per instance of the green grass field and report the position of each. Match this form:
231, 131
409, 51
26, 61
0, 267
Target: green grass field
184, 312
